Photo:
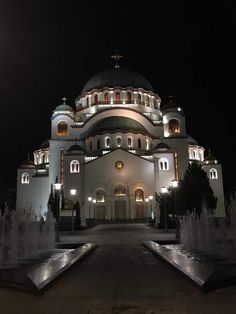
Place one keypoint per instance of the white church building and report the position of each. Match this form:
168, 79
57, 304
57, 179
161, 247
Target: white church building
112, 152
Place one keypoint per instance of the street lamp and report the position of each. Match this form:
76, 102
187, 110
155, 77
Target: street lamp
147, 200
73, 192
57, 188
94, 202
164, 192
150, 197
174, 183
89, 200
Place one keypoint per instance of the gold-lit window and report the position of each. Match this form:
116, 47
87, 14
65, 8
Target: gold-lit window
106, 97
120, 190
100, 196
139, 195
117, 97
62, 128
119, 164
174, 126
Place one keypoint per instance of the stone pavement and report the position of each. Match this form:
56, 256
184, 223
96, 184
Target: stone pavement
120, 276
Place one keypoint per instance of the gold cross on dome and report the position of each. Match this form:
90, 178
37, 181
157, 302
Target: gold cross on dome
116, 56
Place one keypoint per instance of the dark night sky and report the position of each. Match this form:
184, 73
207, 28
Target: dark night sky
49, 49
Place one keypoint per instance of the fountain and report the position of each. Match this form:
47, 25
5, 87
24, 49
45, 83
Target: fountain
29, 257
206, 253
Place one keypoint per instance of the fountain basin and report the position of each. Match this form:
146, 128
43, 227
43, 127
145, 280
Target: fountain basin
37, 274
206, 276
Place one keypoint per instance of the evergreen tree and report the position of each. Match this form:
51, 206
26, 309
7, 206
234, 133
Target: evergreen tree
195, 191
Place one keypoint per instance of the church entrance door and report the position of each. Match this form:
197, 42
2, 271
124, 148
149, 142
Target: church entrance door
120, 209
139, 212
100, 212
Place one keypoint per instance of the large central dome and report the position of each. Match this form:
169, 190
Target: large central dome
117, 77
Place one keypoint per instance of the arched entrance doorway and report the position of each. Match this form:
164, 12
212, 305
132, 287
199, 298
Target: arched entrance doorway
120, 202
139, 204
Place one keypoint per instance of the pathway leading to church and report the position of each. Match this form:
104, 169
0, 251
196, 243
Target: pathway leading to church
120, 276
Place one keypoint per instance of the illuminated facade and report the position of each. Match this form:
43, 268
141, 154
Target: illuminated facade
114, 150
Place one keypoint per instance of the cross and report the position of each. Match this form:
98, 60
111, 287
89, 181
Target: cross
64, 100
116, 56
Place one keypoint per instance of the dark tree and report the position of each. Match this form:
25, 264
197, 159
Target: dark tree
51, 201
195, 191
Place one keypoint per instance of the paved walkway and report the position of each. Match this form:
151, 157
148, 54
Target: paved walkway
120, 276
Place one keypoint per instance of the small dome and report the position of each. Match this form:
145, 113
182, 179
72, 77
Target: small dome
117, 77
162, 147
45, 144
210, 159
170, 104
64, 107
117, 124
76, 148
28, 164
191, 141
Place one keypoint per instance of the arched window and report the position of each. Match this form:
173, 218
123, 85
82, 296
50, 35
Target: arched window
147, 144
25, 178
139, 143
74, 166
90, 145
100, 196
148, 100
139, 98
106, 97
120, 190
87, 101
96, 99
107, 142
139, 195
213, 174
129, 97
164, 164
62, 128
174, 126
118, 141
118, 97
98, 144
130, 141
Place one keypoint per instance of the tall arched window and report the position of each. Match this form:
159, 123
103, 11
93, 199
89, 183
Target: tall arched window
118, 97
118, 141
139, 98
25, 178
106, 97
120, 190
98, 144
130, 141
74, 166
147, 144
100, 196
96, 99
139, 143
148, 101
90, 145
139, 195
213, 174
129, 97
62, 128
163, 164
107, 142
174, 126
87, 101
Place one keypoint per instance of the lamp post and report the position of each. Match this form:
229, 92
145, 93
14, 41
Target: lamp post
94, 204
57, 188
174, 184
164, 192
73, 192
150, 197
147, 200
89, 200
